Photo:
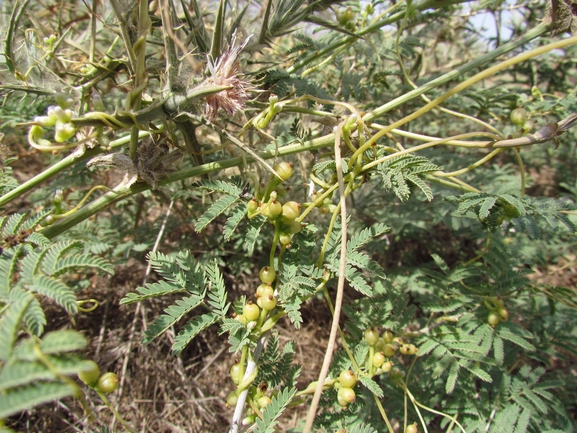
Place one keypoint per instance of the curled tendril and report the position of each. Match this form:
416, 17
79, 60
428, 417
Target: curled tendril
94, 304
110, 120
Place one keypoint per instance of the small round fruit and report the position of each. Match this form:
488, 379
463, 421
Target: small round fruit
413, 349
519, 116
346, 396
503, 314
108, 383
378, 359
290, 210
372, 336
528, 125
251, 311
295, 227
380, 344
264, 290
267, 274
389, 350
493, 319
252, 206
249, 420
387, 366
268, 302
412, 428
236, 373
242, 319
388, 336
231, 399
272, 210
348, 378
49, 220
284, 170
285, 239
264, 401
405, 349
497, 302
89, 373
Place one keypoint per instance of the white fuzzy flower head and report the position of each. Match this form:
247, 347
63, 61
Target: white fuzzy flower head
225, 71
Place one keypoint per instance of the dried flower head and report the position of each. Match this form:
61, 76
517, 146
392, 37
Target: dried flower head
225, 71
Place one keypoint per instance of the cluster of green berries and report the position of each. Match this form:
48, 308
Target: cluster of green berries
252, 315
90, 375
265, 298
57, 202
520, 118
325, 206
345, 387
258, 397
57, 116
497, 311
283, 215
385, 346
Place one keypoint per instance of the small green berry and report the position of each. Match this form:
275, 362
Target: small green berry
493, 319
372, 336
378, 359
267, 274
89, 373
284, 170
348, 378
346, 396
519, 116
107, 383
251, 311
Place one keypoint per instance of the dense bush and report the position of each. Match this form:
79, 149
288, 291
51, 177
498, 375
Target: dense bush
380, 163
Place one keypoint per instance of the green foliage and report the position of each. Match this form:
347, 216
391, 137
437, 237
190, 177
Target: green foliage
276, 367
399, 172
33, 370
274, 410
460, 244
183, 275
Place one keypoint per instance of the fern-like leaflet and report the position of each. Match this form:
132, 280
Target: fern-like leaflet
398, 173
202, 288
30, 267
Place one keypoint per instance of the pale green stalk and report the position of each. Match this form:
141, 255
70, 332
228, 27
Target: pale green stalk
456, 73
65, 163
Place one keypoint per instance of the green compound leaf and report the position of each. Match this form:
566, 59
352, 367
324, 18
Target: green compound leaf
217, 208
216, 289
192, 329
80, 261
19, 373
21, 398
174, 314
254, 227
152, 290
9, 326
62, 341
220, 186
238, 214
56, 252
56, 291
274, 410
372, 386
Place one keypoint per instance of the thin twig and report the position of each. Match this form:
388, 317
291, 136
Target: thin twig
340, 288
